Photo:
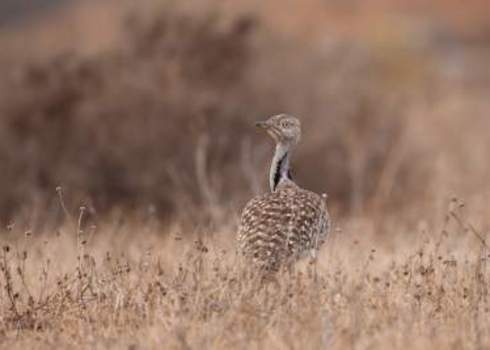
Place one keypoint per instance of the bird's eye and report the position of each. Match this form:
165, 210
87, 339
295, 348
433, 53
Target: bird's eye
286, 124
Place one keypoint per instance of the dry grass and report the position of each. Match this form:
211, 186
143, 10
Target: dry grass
377, 285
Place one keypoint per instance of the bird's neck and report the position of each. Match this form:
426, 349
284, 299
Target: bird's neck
280, 168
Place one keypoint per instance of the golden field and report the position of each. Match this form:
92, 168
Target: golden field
127, 151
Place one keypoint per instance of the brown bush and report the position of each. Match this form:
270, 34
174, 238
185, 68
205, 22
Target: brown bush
164, 118
121, 128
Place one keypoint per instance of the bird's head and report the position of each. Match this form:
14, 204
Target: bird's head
283, 128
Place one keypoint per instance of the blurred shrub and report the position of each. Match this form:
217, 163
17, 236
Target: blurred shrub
164, 119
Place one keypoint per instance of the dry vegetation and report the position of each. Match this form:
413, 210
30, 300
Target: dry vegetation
151, 134
105, 287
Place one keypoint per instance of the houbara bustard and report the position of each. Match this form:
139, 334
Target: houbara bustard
280, 227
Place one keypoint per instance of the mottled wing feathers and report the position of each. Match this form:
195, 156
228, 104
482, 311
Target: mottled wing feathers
282, 226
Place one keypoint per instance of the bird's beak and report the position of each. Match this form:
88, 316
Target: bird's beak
268, 127
262, 125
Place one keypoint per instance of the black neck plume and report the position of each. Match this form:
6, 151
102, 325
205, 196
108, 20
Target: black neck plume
281, 171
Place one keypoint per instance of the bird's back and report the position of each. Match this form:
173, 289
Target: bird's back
282, 226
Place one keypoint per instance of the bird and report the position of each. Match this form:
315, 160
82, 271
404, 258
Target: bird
288, 223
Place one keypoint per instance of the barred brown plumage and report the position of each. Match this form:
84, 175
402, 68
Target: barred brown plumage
286, 224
